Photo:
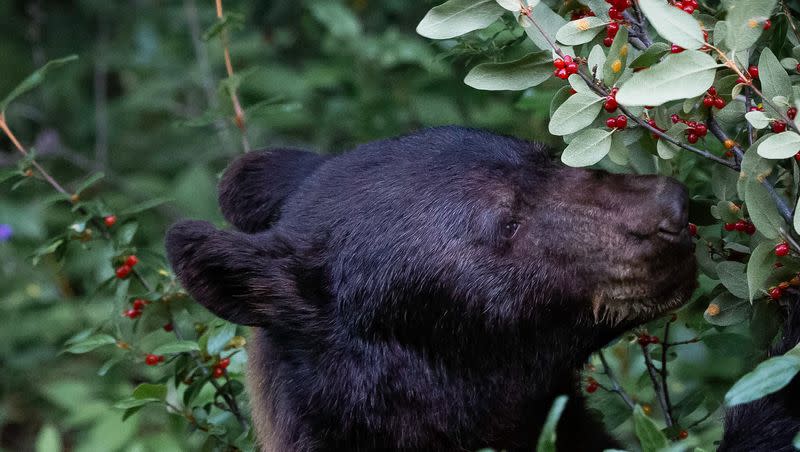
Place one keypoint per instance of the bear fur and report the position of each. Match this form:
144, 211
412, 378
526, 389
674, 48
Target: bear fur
434, 291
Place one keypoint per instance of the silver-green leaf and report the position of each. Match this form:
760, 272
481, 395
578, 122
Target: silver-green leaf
745, 22
516, 75
578, 112
673, 24
780, 146
457, 17
588, 148
580, 31
677, 76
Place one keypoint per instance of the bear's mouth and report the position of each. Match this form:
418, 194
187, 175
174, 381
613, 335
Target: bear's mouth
638, 302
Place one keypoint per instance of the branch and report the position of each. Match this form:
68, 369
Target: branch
237, 107
615, 385
659, 390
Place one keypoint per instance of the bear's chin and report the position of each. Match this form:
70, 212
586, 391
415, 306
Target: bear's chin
632, 305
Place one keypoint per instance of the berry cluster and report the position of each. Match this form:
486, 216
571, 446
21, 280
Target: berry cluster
136, 310
687, 5
611, 104
565, 67
578, 14
712, 99
611, 32
741, 226
617, 8
620, 122
219, 368
645, 339
152, 360
695, 131
125, 269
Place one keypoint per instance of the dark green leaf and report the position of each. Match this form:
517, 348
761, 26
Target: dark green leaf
91, 343
768, 377
516, 75
650, 437
34, 80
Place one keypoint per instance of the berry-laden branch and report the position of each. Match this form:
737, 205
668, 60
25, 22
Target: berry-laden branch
237, 106
150, 359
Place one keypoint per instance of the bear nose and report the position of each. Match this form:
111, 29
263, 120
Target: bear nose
673, 202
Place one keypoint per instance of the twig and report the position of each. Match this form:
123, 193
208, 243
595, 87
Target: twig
34, 163
659, 390
615, 385
693, 340
237, 107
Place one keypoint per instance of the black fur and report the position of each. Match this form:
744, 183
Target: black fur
435, 291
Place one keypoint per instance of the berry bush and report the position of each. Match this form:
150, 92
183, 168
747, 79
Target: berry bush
102, 350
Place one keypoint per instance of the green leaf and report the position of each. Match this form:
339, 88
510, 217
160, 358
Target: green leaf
129, 403
759, 268
780, 145
457, 17
797, 217
667, 150
673, 24
337, 18
732, 275
150, 391
220, 338
516, 75
768, 377
547, 437
550, 22
732, 310
232, 21
48, 439
677, 76
510, 5
34, 80
91, 343
753, 166
758, 119
146, 205
617, 58
93, 179
763, 212
745, 22
176, 347
796, 441
596, 61
650, 437
651, 56
774, 79
587, 148
576, 113
580, 31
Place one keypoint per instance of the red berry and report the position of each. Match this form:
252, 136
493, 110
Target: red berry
168, 327
797, 68
612, 29
152, 360
218, 372
614, 13
782, 249
692, 229
132, 313
797, 156
791, 113
708, 101
654, 340
123, 271
692, 137
559, 63
572, 91
224, 363
568, 58
719, 102
561, 73
749, 228
643, 340
591, 388
775, 293
572, 68
608, 41
729, 226
683, 434
740, 226
676, 49
767, 24
701, 130
611, 105
753, 71
778, 126
688, 8
131, 260
110, 220
139, 304
622, 121
712, 91
611, 123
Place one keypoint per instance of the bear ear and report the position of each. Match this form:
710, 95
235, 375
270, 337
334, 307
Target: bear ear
254, 187
232, 274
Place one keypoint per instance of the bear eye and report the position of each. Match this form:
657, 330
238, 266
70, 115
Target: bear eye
510, 229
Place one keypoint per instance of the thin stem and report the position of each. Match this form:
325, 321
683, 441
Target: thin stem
237, 107
615, 385
50, 180
693, 340
654, 378
664, 386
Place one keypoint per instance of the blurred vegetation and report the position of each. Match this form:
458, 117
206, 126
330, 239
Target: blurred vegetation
146, 105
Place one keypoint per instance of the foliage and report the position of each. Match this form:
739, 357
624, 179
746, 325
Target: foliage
139, 126
710, 92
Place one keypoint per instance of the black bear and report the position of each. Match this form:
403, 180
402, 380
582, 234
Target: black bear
434, 291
